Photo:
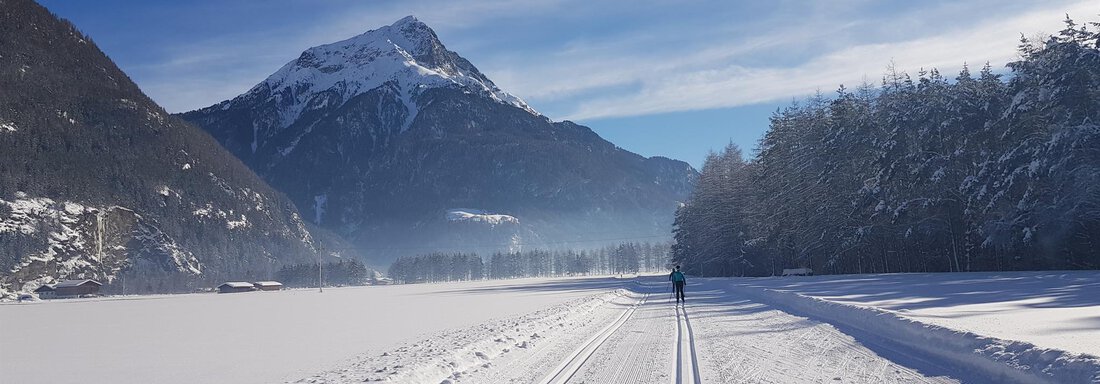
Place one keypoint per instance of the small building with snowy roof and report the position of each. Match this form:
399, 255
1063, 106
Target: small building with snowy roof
268, 285
236, 286
76, 288
46, 291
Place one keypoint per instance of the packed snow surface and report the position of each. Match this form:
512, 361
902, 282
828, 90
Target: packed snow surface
573, 330
253, 337
1059, 310
636, 335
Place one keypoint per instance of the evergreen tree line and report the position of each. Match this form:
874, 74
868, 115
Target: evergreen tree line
614, 259
918, 175
341, 273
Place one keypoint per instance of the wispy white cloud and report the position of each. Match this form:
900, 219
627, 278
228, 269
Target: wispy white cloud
707, 79
661, 64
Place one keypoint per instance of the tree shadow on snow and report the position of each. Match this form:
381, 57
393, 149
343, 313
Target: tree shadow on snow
1057, 289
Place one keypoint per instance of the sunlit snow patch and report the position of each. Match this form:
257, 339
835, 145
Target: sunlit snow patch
479, 216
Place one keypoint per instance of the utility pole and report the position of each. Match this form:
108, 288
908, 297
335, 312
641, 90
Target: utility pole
320, 279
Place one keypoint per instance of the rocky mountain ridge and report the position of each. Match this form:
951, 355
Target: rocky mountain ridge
378, 136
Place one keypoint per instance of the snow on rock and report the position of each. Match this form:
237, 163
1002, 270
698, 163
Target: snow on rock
239, 223
405, 55
232, 220
204, 211
23, 213
479, 216
242, 222
153, 241
79, 241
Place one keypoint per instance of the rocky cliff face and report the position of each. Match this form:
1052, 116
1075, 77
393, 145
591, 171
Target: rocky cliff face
97, 181
379, 136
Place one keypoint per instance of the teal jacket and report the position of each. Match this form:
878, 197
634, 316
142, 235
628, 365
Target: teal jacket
676, 276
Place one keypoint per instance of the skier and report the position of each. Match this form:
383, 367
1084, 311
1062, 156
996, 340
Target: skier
678, 282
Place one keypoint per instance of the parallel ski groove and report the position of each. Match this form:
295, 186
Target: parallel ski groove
691, 341
572, 364
681, 313
677, 378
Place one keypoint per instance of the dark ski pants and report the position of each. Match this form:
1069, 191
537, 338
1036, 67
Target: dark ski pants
679, 290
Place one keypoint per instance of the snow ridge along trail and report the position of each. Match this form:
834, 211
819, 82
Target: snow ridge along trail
572, 364
692, 365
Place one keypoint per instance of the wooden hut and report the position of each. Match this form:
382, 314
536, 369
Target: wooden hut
235, 286
46, 291
268, 285
77, 288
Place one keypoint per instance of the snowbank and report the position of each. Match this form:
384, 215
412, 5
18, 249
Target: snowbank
1050, 309
996, 359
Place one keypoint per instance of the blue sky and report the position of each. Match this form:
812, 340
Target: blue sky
668, 78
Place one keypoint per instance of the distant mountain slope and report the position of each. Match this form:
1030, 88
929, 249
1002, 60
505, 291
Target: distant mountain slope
378, 136
97, 181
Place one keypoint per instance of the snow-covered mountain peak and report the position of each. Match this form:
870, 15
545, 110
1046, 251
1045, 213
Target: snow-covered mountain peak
405, 56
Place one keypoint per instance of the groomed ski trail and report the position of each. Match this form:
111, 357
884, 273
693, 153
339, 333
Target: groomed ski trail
577, 360
635, 335
641, 351
687, 369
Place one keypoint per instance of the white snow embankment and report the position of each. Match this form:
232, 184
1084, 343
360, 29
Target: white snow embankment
996, 359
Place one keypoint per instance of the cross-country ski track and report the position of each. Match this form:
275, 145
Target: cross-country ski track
687, 369
637, 334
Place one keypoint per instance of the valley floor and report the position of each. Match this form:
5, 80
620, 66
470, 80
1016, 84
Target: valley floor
582, 330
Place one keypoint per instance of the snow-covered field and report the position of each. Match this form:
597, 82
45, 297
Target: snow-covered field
256, 337
863, 329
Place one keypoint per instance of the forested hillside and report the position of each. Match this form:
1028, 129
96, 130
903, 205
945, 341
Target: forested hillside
978, 172
99, 182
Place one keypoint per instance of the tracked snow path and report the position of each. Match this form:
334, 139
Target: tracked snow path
717, 338
638, 335
571, 365
687, 364
742, 341
639, 352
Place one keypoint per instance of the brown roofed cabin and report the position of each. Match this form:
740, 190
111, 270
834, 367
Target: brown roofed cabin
235, 286
46, 291
268, 285
76, 288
